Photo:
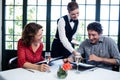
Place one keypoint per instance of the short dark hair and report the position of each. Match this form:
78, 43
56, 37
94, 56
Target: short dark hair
72, 6
96, 26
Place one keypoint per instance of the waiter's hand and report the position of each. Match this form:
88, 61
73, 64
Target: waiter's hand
76, 53
69, 59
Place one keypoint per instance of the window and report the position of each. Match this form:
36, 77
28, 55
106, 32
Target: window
87, 15
58, 9
36, 12
13, 21
109, 18
18, 13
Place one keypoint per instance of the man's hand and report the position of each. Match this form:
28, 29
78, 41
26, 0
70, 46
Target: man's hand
93, 57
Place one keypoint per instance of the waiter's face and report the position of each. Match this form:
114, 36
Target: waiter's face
93, 36
74, 14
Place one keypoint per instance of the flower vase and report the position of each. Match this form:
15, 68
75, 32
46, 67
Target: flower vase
61, 73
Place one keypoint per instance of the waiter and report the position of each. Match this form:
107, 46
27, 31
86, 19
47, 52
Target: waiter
67, 27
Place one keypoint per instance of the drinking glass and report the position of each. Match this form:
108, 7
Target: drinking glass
77, 60
47, 58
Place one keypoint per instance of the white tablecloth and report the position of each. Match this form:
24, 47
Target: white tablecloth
23, 74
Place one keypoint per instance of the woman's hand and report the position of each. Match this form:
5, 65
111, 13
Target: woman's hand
43, 67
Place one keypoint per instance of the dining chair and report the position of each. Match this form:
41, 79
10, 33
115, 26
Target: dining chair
13, 63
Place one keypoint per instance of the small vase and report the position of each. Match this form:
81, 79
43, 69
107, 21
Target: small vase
61, 73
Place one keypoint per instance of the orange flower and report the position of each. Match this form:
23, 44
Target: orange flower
67, 66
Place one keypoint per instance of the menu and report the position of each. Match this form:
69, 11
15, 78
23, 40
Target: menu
52, 59
84, 65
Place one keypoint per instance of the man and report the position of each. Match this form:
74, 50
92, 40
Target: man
99, 50
66, 30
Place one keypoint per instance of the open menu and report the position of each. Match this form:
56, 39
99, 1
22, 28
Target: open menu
84, 65
52, 59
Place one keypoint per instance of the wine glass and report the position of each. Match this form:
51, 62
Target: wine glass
47, 58
77, 60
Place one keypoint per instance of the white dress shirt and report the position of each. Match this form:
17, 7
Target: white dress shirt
62, 35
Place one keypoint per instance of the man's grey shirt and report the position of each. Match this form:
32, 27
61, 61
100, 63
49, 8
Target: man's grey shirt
105, 47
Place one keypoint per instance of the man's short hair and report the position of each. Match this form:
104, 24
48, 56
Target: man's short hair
72, 6
96, 26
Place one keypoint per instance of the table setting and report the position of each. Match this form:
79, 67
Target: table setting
93, 73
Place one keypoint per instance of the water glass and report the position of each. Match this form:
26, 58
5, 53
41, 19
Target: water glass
77, 60
47, 58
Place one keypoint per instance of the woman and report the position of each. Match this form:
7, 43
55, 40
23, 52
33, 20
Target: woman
30, 48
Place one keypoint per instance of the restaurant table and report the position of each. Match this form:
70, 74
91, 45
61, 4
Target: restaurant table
29, 74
